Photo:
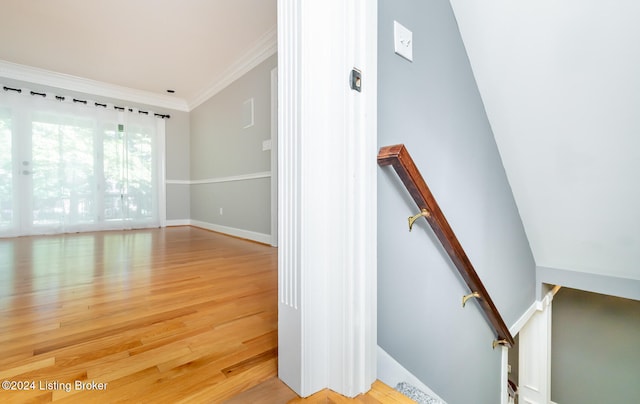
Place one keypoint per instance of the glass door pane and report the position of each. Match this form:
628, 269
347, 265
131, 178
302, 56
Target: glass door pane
6, 171
129, 175
139, 192
63, 188
113, 174
63, 170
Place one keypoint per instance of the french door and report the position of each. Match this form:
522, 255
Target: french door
69, 170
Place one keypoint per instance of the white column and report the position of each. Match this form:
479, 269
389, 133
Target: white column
327, 195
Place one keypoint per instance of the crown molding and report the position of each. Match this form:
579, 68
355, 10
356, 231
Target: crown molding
73, 83
265, 47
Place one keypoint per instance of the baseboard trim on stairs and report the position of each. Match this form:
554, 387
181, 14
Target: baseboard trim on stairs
391, 372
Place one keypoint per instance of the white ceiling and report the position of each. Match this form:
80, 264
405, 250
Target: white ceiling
149, 45
560, 81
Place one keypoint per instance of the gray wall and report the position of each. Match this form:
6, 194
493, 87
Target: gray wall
177, 166
594, 349
176, 144
433, 106
220, 147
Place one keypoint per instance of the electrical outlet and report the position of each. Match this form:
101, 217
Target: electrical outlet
403, 41
220, 211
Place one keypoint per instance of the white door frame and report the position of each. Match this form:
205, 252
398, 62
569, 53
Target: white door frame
274, 157
327, 147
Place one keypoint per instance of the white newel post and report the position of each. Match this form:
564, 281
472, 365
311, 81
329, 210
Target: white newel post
535, 356
327, 195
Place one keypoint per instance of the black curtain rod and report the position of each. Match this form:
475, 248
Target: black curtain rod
97, 104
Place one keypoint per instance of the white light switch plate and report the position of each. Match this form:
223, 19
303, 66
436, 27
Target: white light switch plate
266, 145
403, 41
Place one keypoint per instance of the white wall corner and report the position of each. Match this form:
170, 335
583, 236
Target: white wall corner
264, 47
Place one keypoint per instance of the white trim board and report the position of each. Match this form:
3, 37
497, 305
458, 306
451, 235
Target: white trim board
232, 231
274, 156
265, 47
178, 222
517, 326
73, 83
242, 177
391, 373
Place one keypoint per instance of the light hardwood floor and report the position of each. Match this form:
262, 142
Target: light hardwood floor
274, 391
160, 316
164, 316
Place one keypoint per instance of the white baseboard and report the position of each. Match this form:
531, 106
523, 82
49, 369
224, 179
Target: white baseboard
179, 222
391, 373
232, 231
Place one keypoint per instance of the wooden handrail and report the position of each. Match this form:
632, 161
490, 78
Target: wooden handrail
398, 157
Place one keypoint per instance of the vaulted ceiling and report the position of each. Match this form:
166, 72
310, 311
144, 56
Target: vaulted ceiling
560, 82
561, 86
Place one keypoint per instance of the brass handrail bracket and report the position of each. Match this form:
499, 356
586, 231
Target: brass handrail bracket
470, 296
422, 213
497, 342
398, 157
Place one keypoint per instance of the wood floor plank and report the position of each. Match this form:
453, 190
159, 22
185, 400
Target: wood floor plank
274, 391
270, 391
159, 315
